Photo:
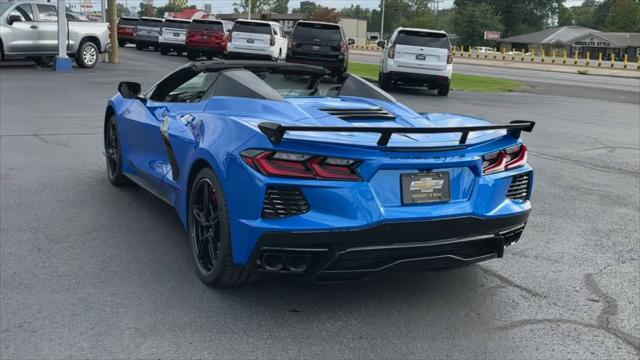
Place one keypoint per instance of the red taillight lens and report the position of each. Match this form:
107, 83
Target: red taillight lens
301, 165
273, 40
450, 57
344, 48
229, 37
504, 159
391, 52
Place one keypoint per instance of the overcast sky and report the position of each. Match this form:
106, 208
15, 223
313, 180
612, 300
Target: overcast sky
226, 6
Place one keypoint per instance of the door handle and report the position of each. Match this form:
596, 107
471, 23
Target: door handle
34, 26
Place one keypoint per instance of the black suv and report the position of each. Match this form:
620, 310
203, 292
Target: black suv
319, 43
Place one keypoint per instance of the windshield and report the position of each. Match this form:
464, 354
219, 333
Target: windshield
423, 38
251, 27
323, 32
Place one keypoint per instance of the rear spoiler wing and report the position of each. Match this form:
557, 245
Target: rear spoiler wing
275, 132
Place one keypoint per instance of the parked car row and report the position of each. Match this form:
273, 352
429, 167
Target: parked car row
311, 42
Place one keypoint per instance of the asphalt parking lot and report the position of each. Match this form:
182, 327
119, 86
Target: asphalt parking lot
92, 271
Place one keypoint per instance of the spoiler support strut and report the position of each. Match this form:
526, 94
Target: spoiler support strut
275, 132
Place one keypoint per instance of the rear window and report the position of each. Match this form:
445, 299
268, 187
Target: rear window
423, 38
150, 22
211, 26
128, 21
173, 24
252, 27
310, 32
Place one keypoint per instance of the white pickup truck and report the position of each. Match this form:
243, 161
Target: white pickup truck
29, 29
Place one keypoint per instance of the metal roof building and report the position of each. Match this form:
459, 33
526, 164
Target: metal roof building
580, 39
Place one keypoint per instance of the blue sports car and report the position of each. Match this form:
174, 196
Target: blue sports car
277, 168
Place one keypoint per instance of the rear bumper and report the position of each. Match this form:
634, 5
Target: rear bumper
419, 245
331, 64
418, 79
249, 56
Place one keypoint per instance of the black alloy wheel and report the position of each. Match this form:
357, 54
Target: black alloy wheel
205, 226
113, 154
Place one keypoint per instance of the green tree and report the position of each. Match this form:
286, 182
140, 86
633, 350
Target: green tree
242, 6
145, 9
565, 16
280, 6
306, 7
355, 12
470, 21
624, 16
325, 14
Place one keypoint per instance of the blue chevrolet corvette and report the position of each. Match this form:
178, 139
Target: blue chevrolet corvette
276, 168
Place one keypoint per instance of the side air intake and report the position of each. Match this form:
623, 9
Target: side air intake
369, 113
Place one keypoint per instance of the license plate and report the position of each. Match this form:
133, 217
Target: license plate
205, 37
249, 41
176, 34
426, 187
421, 57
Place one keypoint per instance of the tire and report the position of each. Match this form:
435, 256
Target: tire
209, 234
139, 47
164, 50
192, 55
444, 90
87, 56
122, 43
113, 153
384, 82
156, 48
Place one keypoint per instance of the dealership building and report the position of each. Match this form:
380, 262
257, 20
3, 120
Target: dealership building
577, 39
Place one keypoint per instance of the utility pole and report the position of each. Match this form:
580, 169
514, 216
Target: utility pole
249, 10
114, 57
62, 63
382, 22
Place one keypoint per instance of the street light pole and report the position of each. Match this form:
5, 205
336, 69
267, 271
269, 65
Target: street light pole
249, 10
382, 22
62, 63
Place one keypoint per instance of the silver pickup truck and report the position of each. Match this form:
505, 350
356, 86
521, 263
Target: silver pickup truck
29, 29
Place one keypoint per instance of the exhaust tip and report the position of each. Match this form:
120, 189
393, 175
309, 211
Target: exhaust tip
298, 263
274, 262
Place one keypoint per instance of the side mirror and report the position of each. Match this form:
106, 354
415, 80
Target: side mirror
129, 89
381, 43
13, 19
351, 41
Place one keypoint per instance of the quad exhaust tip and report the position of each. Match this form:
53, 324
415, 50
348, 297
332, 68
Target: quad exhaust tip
294, 263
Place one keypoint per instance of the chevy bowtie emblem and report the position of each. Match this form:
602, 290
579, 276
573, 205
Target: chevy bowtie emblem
426, 185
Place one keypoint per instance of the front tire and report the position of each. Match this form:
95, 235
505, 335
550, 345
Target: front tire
192, 55
384, 81
210, 236
113, 153
122, 43
87, 55
164, 50
139, 47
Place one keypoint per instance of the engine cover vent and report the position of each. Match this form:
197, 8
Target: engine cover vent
368, 113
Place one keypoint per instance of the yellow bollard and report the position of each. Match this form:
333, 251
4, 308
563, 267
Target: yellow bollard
542, 58
564, 57
626, 60
599, 59
503, 55
495, 53
588, 59
575, 58
533, 55
553, 57
613, 60
638, 59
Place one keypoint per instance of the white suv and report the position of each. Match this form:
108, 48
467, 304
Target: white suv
255, 39
417, 57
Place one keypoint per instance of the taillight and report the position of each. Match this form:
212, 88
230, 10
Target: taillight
290, 44
391, 52
287, 164
450, 57
229, 37
504, 159
343, 48
273, 40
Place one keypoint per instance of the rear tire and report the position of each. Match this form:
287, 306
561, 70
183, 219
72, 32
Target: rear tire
113, 153
384, 81
210, 236
139, 47
87, 56
192, 55
444, 90
164, 50
122, 43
